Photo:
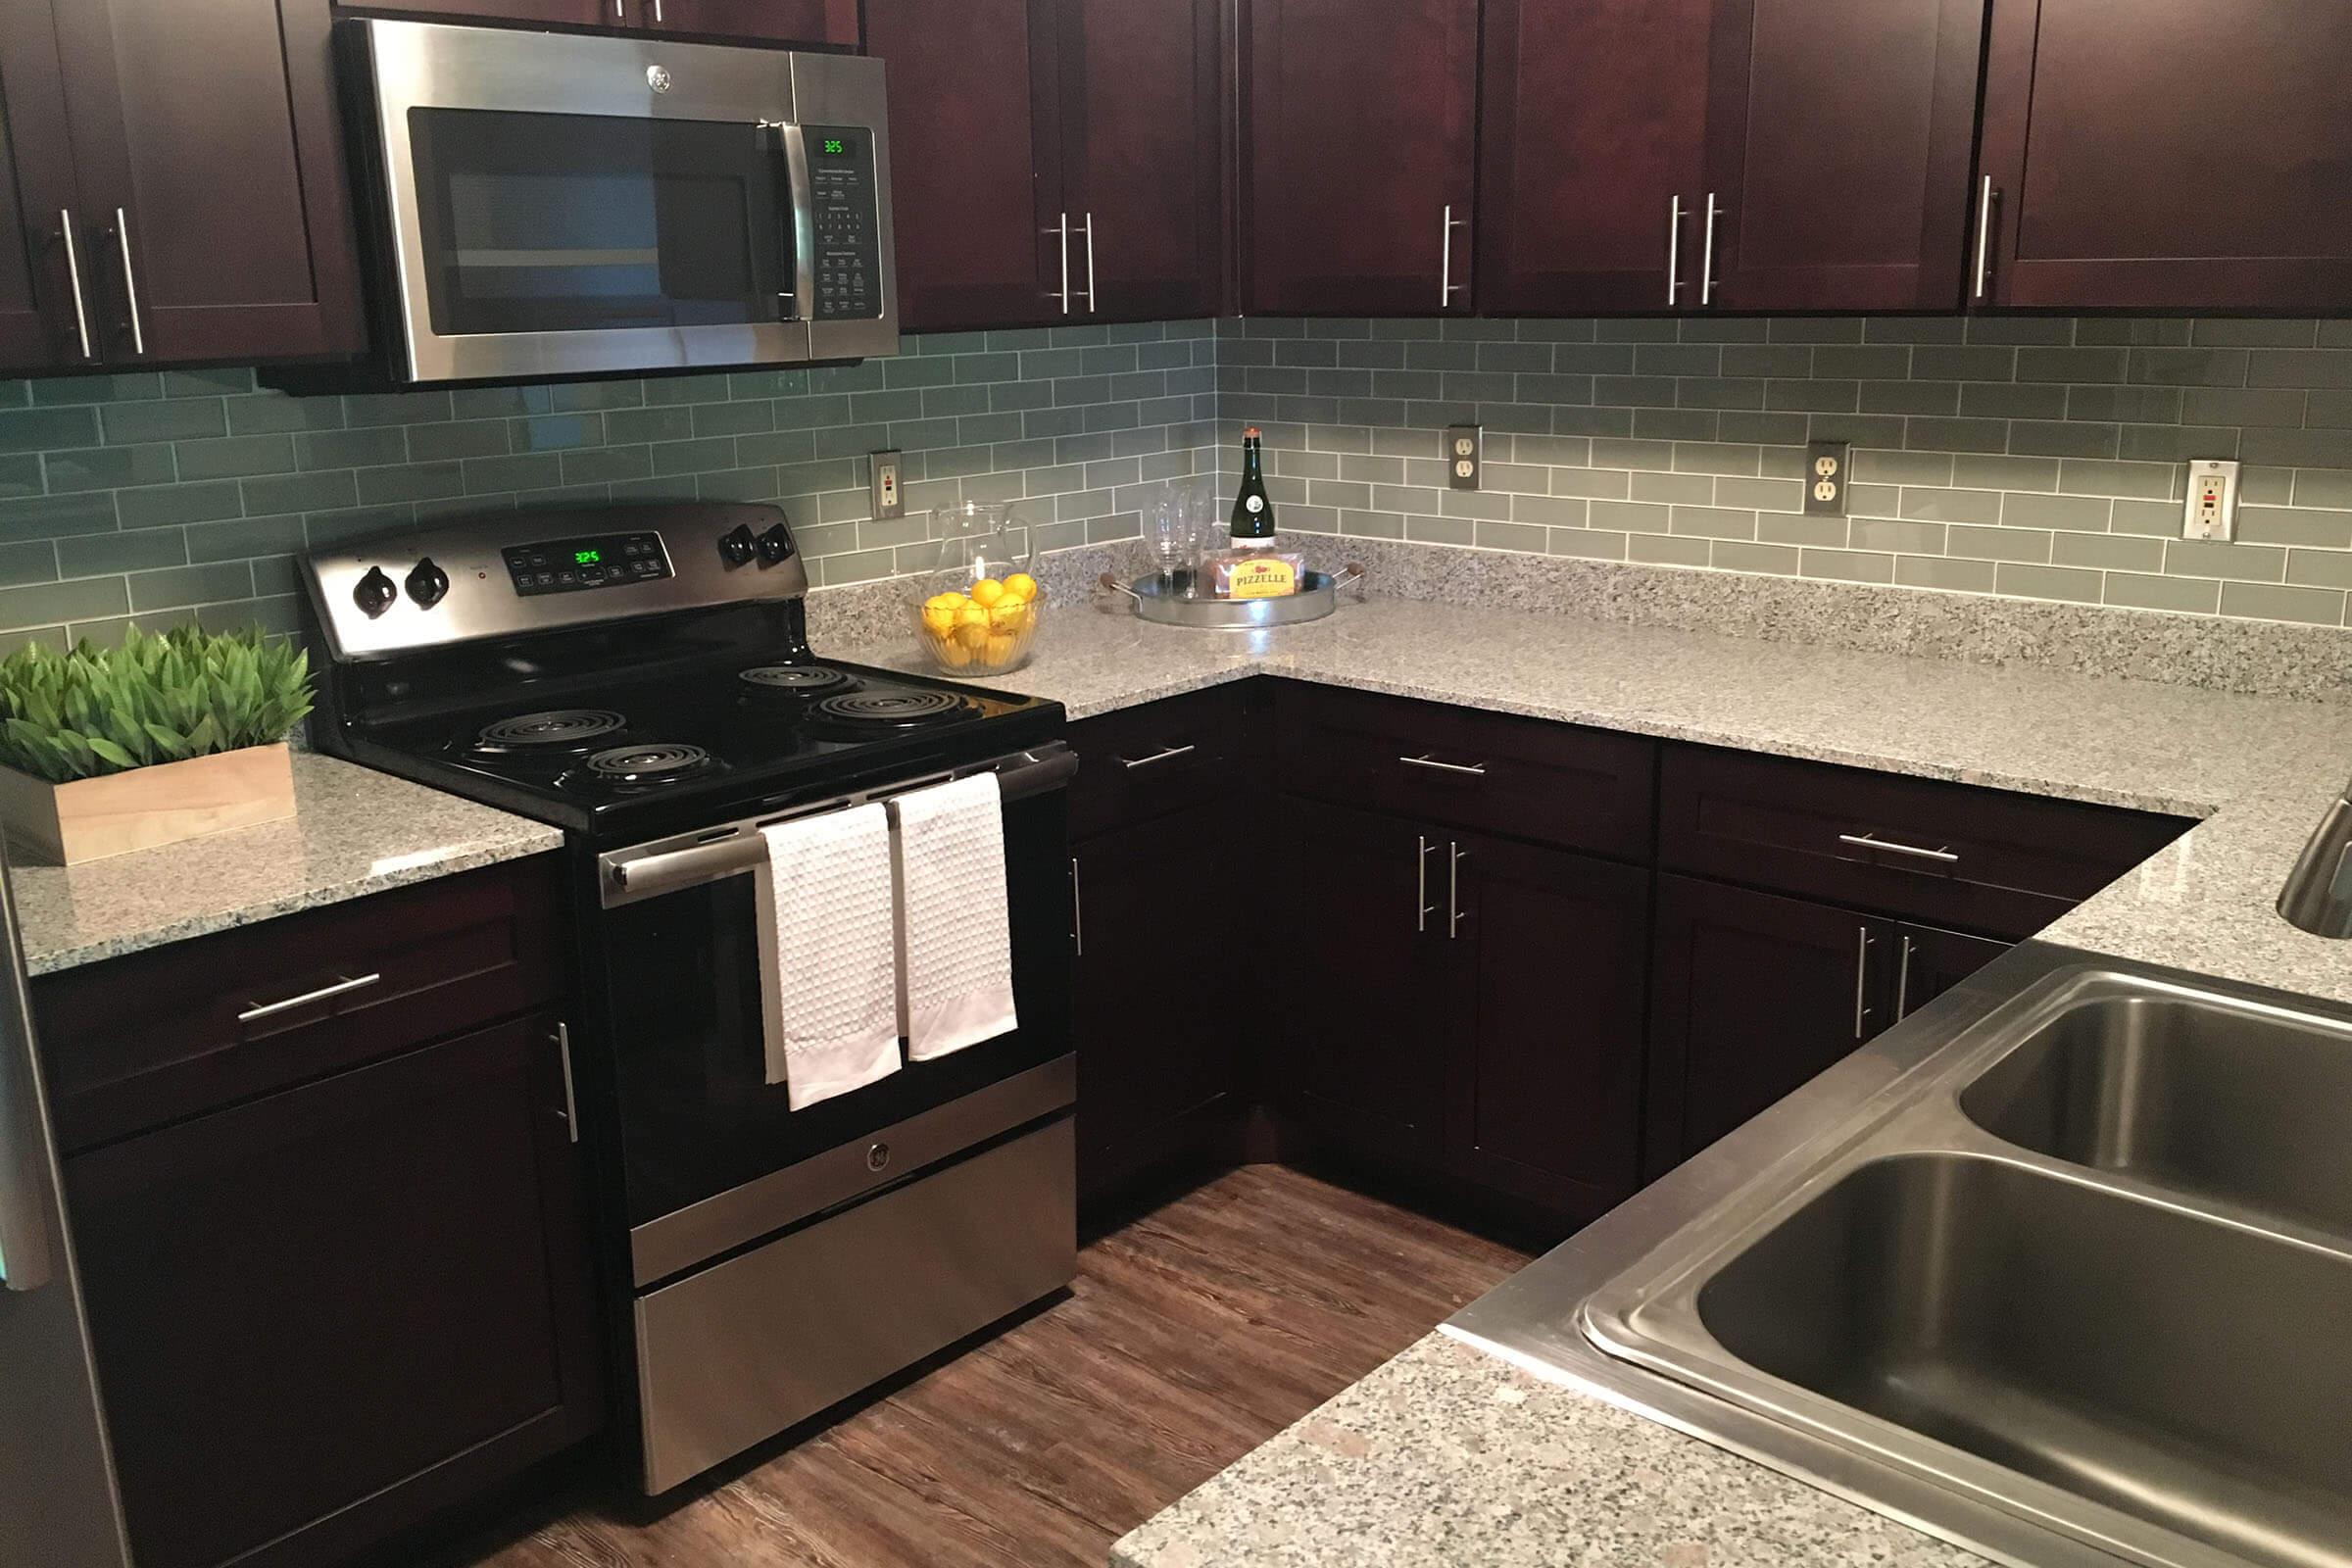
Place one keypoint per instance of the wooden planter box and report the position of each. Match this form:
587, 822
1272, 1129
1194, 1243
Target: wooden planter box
90, 818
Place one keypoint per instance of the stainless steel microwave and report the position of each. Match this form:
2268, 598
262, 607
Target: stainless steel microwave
552, 204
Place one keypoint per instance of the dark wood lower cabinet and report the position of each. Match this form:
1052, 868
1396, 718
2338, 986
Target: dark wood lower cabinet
1548, 997
323, 1314
1157, 1047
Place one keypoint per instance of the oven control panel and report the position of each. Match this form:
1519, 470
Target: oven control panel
846, 200
573, 566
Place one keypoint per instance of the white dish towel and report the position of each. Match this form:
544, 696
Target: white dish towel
955, 941
829, 970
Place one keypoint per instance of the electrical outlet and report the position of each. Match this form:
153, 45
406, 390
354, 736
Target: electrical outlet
1465, 465
1826, 466
890, 498
2212, 501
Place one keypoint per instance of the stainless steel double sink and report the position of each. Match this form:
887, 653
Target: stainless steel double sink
2069, 1283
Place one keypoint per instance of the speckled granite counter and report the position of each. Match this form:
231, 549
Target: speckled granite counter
1450, 1456
355, 831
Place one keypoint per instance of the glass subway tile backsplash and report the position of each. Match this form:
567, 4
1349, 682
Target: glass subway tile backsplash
2033, 456
149, 496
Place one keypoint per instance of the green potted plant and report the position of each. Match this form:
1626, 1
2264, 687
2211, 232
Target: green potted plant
161, 738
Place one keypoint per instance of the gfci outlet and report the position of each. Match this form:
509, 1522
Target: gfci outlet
2212, 501
1464, 464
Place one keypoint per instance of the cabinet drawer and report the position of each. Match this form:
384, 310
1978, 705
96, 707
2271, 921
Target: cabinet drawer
1526, 778
1143, 762
1983, 860
133, 1043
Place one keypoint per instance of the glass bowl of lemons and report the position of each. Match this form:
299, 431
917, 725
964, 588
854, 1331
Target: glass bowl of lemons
977, 612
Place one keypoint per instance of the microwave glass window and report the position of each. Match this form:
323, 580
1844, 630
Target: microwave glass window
536, 223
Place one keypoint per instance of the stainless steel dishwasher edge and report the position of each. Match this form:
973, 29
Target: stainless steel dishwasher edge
1638, 1278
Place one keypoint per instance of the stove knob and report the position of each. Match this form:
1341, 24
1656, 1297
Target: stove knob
375, 593
737, 545
775, 545
428, 584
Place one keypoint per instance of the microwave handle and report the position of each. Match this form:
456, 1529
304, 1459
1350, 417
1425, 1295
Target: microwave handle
802, 189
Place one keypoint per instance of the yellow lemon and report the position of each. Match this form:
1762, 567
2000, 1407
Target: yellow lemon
939, 619
973, 634
987, 591
1000, 650
1009, 615
1021, 585
955, 655
971, 615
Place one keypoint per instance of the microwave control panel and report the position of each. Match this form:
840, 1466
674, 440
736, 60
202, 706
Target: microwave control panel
846, 197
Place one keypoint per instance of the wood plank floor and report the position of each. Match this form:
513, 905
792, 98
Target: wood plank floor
1191, 1334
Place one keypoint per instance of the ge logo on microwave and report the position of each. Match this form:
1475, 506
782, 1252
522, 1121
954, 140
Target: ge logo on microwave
658, 78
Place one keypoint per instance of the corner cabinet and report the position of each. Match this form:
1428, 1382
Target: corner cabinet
1359, 167
1074, 178
2184, 156
328, 1207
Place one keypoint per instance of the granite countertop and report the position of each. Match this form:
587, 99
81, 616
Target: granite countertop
355, 831
1448, 1455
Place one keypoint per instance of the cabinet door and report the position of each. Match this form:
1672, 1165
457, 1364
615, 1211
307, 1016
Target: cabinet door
975, 164
1754, 994
2186, 154
37, 323
1358, 962
1156, 1034
1358, 152
322, 1313
1929, 961
1591, 124
816, 22
1550, 981
1839, 133
1139, 95
209, 125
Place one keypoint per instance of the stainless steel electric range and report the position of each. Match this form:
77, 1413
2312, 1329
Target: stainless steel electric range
641, 677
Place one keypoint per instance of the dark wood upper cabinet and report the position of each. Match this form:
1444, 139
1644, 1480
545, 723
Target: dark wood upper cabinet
321, 1314
37, 323
975, 158
1593, 129
803, 21
1838, 139
1358, 157
213, 212
1547, 1000
1139, 93
558, 12
2169, 154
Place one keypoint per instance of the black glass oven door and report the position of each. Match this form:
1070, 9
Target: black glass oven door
680, 973
546, 222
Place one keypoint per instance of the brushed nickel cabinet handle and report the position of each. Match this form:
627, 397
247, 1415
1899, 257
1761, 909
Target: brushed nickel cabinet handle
1447, 288
1903, 983
81, 310
1861, 979
1062, 229
1674, 249
572, 1102
1474, 769
1421, 907
1865, 841
1986, 197
263, 1010
1453, 891
1090, 262
1165, 754
657, 9
1707, 266
1077, 910
130, 282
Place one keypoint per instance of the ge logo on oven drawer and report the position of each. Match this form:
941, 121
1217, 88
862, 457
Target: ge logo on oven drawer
658, 78
877, 1155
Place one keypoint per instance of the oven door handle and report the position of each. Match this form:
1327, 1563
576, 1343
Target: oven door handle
691, 859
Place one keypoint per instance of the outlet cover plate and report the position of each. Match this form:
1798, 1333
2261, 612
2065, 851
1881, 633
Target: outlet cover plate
1465, 457
1829, 467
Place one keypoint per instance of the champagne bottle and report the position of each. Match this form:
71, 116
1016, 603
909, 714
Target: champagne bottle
1253, 513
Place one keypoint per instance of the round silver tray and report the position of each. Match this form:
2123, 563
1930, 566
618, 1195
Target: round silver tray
1155, 600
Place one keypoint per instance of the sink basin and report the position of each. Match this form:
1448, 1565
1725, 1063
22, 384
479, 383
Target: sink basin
2189, 1374
2243, 1104
2071, 1280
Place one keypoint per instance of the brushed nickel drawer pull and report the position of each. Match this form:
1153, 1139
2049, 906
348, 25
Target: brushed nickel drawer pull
1474, 769
263, 1010
1164, 755
1864, 841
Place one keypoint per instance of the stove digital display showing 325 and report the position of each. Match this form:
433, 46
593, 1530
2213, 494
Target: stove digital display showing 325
569, 565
